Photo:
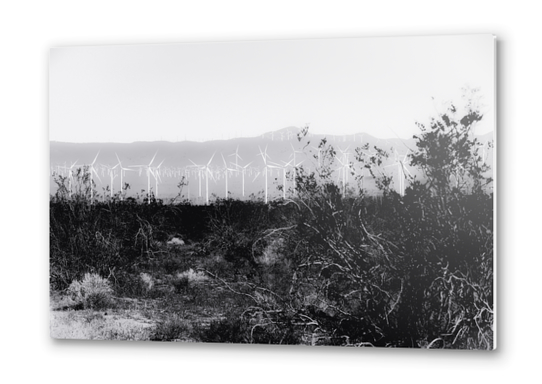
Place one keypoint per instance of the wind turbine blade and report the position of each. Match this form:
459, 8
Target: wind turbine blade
405, 169
153, 158
211, 159
262, 155
338, 159
211, 174
95, 158
96, 173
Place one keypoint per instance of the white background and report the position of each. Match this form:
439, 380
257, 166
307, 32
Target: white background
28, 29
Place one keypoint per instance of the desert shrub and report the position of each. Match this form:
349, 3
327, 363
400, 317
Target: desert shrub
448, 270
92, 291
181, 284
444, 228
186, 281
171, 329
146, 281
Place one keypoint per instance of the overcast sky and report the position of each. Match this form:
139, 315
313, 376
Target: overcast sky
204, 91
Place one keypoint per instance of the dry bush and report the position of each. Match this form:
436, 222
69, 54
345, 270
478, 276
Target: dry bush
92, 291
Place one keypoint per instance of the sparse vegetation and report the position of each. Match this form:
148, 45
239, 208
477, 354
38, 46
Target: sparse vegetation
330, 266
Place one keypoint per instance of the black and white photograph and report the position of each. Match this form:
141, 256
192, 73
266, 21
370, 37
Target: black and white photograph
332, 192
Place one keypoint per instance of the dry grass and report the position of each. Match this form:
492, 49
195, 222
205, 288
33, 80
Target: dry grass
92, 325
126, 322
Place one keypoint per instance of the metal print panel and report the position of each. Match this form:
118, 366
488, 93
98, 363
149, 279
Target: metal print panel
325, 192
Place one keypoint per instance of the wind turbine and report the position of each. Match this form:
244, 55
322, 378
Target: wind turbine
112, 175
208, 172
70, 178
149, 171
345, 166
241, 169
265, 156
121, 171
226, 169
204, 168
365, 164
92, 170
243, 172
199, 169
237, 156
402, 171
156, 173
284, 166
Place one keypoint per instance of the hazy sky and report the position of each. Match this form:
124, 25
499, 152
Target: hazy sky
205, 91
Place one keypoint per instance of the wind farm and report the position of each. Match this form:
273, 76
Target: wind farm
259, 166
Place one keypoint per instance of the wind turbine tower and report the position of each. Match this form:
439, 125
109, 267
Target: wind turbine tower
226, 169
265, 156
92, 170
149, 171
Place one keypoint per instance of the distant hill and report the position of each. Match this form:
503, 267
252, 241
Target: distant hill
177, 159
